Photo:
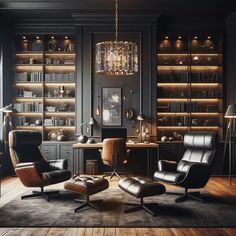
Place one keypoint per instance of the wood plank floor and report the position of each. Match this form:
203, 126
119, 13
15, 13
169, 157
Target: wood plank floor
219, 187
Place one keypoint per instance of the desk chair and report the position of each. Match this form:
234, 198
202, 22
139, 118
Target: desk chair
114, 153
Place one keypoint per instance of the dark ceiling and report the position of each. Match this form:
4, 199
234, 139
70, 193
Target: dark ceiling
64, 8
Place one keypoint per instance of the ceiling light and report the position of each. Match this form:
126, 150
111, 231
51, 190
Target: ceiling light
116, 57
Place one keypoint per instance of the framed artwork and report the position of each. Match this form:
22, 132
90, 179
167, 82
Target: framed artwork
111, 107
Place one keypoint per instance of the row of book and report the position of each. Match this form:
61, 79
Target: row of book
26, 76
32, 46
59, 121
178, 107
21, 121
199, 107
60, 77
174, 76
50, 61
206, 76
29, 107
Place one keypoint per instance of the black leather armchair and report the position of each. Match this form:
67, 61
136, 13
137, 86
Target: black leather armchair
31, 167
194, 169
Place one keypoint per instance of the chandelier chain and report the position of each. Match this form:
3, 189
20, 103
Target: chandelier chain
116, 19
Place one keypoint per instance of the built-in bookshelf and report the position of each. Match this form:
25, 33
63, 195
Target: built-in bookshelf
189, 85
45, 84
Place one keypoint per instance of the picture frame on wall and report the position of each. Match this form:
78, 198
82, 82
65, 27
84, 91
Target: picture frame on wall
111, 100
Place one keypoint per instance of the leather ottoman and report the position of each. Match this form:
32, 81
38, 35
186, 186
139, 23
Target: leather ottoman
86, 186
140, 188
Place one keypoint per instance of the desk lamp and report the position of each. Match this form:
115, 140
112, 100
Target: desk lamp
141, 118
83, 138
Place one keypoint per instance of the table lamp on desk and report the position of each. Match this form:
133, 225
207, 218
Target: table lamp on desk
83, 138
141, 118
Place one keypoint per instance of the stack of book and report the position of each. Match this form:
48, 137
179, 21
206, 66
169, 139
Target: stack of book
27, 94
48, 122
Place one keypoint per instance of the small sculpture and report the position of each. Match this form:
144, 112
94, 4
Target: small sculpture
52, 135
179, 137
171, 139
61, 91
60, 135
164, 138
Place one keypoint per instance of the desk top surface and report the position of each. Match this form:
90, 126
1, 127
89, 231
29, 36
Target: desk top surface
129, 145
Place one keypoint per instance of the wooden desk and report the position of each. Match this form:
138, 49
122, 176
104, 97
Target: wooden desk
147, 146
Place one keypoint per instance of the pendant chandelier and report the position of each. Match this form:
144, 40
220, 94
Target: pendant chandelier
116, 57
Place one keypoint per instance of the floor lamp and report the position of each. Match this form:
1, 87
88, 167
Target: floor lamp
231, 115
6, 128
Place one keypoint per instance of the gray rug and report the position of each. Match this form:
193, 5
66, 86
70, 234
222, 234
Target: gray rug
60, 212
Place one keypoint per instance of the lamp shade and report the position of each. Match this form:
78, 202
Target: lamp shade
141, 117
92, 121
231, 111
8, 109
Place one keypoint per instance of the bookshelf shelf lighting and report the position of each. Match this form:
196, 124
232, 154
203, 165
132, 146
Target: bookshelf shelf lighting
189, 84
41, 68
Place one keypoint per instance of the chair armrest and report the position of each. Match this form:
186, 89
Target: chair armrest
28, 174
25, 164
61, 164
197, 176
165, 165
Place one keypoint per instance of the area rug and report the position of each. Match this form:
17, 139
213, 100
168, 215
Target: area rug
60, 212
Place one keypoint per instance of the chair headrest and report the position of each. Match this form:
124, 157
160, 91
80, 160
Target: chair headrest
200, 140
19, 138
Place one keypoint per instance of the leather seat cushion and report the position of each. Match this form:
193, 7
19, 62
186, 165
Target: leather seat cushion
170, 177
87, 185
141, 187
56, 176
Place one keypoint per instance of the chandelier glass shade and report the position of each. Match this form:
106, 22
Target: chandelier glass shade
116, 57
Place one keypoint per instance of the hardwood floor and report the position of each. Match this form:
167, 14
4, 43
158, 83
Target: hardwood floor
219, 187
